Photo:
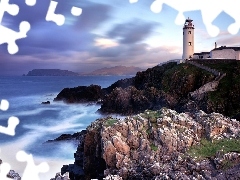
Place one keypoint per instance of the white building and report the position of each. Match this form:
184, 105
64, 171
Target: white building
188, 39
224, 52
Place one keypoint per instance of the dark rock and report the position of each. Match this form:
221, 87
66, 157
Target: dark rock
80, 94
68, 137
46, 102
87, 156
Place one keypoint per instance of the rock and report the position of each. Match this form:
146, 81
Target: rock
80, 94
46, 102
69, 137
140, 148
61, 177
13, 175
113, 177
120, 146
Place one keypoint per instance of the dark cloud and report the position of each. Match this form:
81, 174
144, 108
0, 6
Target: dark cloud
51, 38
132, 32
93, 16
47, 37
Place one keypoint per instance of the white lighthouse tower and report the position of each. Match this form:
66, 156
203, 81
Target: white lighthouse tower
188, 39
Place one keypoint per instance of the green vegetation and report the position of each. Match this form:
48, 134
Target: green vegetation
153, 147
152, 116
226, 99
148, 131
208, 149
110, 122
172, 79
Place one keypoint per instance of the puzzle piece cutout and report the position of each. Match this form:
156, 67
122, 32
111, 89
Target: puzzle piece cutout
209, 9
8, 35
59, 19
31, 171
12, 124
30, 2
4, 170
4, 105
12, 121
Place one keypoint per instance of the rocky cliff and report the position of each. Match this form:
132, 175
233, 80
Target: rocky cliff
171, 85
159, 144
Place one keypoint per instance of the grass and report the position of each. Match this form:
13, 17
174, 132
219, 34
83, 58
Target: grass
208, 149
153, 147
175, 74
110, 122
152, 116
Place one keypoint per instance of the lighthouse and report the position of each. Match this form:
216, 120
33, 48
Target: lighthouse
188, 39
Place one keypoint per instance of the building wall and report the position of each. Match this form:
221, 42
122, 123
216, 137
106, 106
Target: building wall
224, 54
237, 55
205, 56
195, 56
202, 56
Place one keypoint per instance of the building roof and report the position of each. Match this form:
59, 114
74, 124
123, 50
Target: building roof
225, 47
201, 53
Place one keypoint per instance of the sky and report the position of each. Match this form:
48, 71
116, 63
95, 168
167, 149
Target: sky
108, 33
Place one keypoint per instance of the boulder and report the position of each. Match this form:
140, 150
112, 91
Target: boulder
46, 102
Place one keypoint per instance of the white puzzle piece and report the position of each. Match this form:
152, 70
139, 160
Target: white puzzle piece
31, 171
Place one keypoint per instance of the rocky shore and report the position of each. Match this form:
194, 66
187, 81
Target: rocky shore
160, 144
188, 139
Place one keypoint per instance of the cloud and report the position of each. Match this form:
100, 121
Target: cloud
105, 43
93, 16
50, 38
228, 41
132, 32
47, 37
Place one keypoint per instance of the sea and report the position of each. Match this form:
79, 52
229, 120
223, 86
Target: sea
39, 123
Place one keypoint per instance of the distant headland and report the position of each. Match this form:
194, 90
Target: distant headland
106, 71
116, 70
51, 72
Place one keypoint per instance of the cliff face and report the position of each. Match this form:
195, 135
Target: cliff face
159, 144
168, 85
182, 87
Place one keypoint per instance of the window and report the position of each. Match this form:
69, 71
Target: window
189, 32
183, 33
189, 43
